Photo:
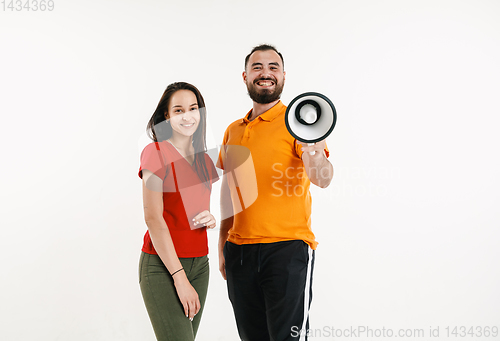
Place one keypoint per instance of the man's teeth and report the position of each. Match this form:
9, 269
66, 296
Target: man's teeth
265, 83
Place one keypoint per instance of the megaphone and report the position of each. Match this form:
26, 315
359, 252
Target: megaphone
310, 117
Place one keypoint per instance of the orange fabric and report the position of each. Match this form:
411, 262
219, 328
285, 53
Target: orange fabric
268, 181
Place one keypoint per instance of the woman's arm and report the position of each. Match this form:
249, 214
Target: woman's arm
152, 189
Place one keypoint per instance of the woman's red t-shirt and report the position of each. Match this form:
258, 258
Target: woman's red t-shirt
184, 196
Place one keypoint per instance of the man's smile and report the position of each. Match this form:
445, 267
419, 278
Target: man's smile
265, 82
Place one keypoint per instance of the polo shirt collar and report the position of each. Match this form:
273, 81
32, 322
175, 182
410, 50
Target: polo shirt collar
269, 115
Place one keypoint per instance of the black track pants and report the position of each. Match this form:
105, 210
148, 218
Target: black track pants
269, 287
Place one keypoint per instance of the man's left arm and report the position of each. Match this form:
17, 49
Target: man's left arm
318, 168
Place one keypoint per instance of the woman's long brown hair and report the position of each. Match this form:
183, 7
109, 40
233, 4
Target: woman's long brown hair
159, 129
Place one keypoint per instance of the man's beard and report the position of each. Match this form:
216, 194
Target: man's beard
265, 96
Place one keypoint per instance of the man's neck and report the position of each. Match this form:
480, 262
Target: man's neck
259, 109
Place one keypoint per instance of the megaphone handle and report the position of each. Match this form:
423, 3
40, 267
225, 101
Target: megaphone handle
313, 152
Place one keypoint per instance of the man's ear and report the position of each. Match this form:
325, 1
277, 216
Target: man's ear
244, 74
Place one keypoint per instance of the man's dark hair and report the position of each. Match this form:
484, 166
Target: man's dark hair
264, 47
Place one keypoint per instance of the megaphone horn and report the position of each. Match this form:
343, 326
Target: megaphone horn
310, 117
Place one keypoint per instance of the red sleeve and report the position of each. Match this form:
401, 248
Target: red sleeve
153, 159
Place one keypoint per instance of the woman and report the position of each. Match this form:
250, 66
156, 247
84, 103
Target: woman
177, 177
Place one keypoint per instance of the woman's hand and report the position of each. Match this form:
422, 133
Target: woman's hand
204, 218
187, 295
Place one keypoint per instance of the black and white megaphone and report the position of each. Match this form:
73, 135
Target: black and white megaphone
310, 117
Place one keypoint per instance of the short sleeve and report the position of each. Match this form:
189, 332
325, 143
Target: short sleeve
298, 149
221, 159
153, 159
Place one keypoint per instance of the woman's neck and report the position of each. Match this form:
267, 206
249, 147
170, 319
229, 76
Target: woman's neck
182, 143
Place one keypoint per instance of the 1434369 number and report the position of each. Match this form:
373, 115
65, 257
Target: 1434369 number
28, 5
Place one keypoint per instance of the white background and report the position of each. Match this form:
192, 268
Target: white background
408, 230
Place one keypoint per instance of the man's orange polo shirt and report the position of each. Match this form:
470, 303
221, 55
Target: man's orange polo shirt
281, 206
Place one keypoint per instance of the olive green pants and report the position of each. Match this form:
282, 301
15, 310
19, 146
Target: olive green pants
162, 303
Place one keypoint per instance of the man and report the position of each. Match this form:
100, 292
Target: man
266, 248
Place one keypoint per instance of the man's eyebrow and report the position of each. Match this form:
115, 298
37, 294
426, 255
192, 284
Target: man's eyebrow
272, 63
